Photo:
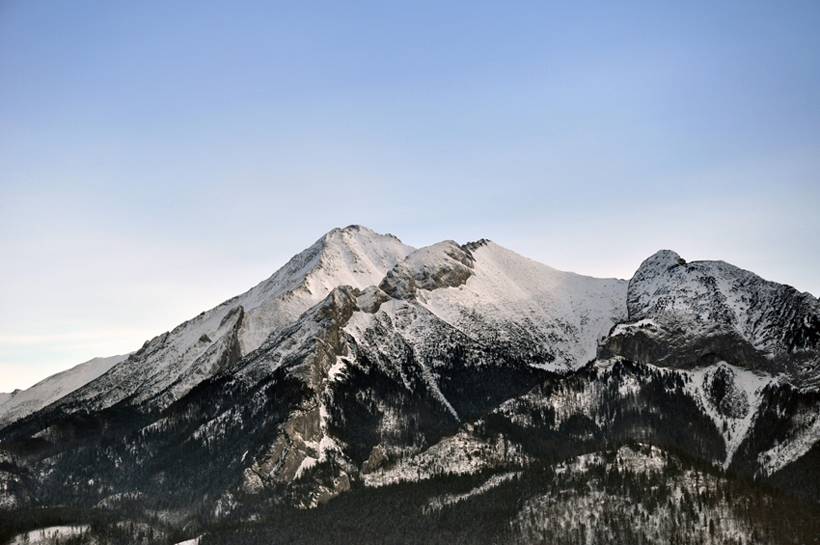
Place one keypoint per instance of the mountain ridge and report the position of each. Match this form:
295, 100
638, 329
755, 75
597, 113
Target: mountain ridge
691, 314
364, 363
196, 348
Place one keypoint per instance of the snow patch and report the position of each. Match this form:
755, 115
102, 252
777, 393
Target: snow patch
436, 504
803, 437
747, 388
307, 463
50, 535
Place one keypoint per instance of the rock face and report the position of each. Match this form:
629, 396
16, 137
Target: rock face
365, 363
171, 364
443, 265
688, 315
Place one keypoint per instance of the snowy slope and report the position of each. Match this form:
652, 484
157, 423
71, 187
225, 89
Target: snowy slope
452, 306
496, 297
364, 359
510, 296
731, 396
804, 434
694, 314
21, 403
169, 365
448, 331
354, 256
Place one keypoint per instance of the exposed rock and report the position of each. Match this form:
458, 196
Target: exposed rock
378, 457
371, 299
442, 265
687, 315
360, 363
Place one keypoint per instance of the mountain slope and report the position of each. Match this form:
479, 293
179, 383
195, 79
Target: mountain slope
364, 364
23, 402
432, 374
512, 298
693, 314
393, 363
169, 365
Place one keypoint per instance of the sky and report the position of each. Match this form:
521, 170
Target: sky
157, 158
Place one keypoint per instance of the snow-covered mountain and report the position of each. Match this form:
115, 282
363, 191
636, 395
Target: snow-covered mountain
509, 298
20, 403
450, 331
364, 365
692, 314
169, 365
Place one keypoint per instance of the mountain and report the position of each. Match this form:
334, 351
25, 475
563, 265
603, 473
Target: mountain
169, 365
20, 403
367, 381
691, 314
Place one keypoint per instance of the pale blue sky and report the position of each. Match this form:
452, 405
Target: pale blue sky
157, 158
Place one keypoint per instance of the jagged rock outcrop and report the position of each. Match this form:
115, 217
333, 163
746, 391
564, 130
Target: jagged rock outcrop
688, 315
443, 265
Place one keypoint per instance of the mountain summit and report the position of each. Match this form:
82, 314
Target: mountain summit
364, 364
692, 314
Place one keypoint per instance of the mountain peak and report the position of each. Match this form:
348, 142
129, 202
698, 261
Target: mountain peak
726, 312
661, 260
357, 231
176, 361
350, 230
364, 362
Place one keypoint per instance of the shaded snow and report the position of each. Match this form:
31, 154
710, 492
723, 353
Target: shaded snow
509, 296
22, 403
49, 536
703, 298
440, 501
746, 387
803, 437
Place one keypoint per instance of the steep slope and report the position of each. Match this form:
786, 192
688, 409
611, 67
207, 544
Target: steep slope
23, 402
750, 347
354, 256
169, 365
692, 314
512, 299
364, 366
446, 336
449, 333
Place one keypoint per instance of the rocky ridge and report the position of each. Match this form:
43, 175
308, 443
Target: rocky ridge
366, 363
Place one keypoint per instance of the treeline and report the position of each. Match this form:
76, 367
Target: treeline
395, 514
658, 411
641, 496
105, 526
682, 500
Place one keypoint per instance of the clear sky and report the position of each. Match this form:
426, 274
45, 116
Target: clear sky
157, 158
